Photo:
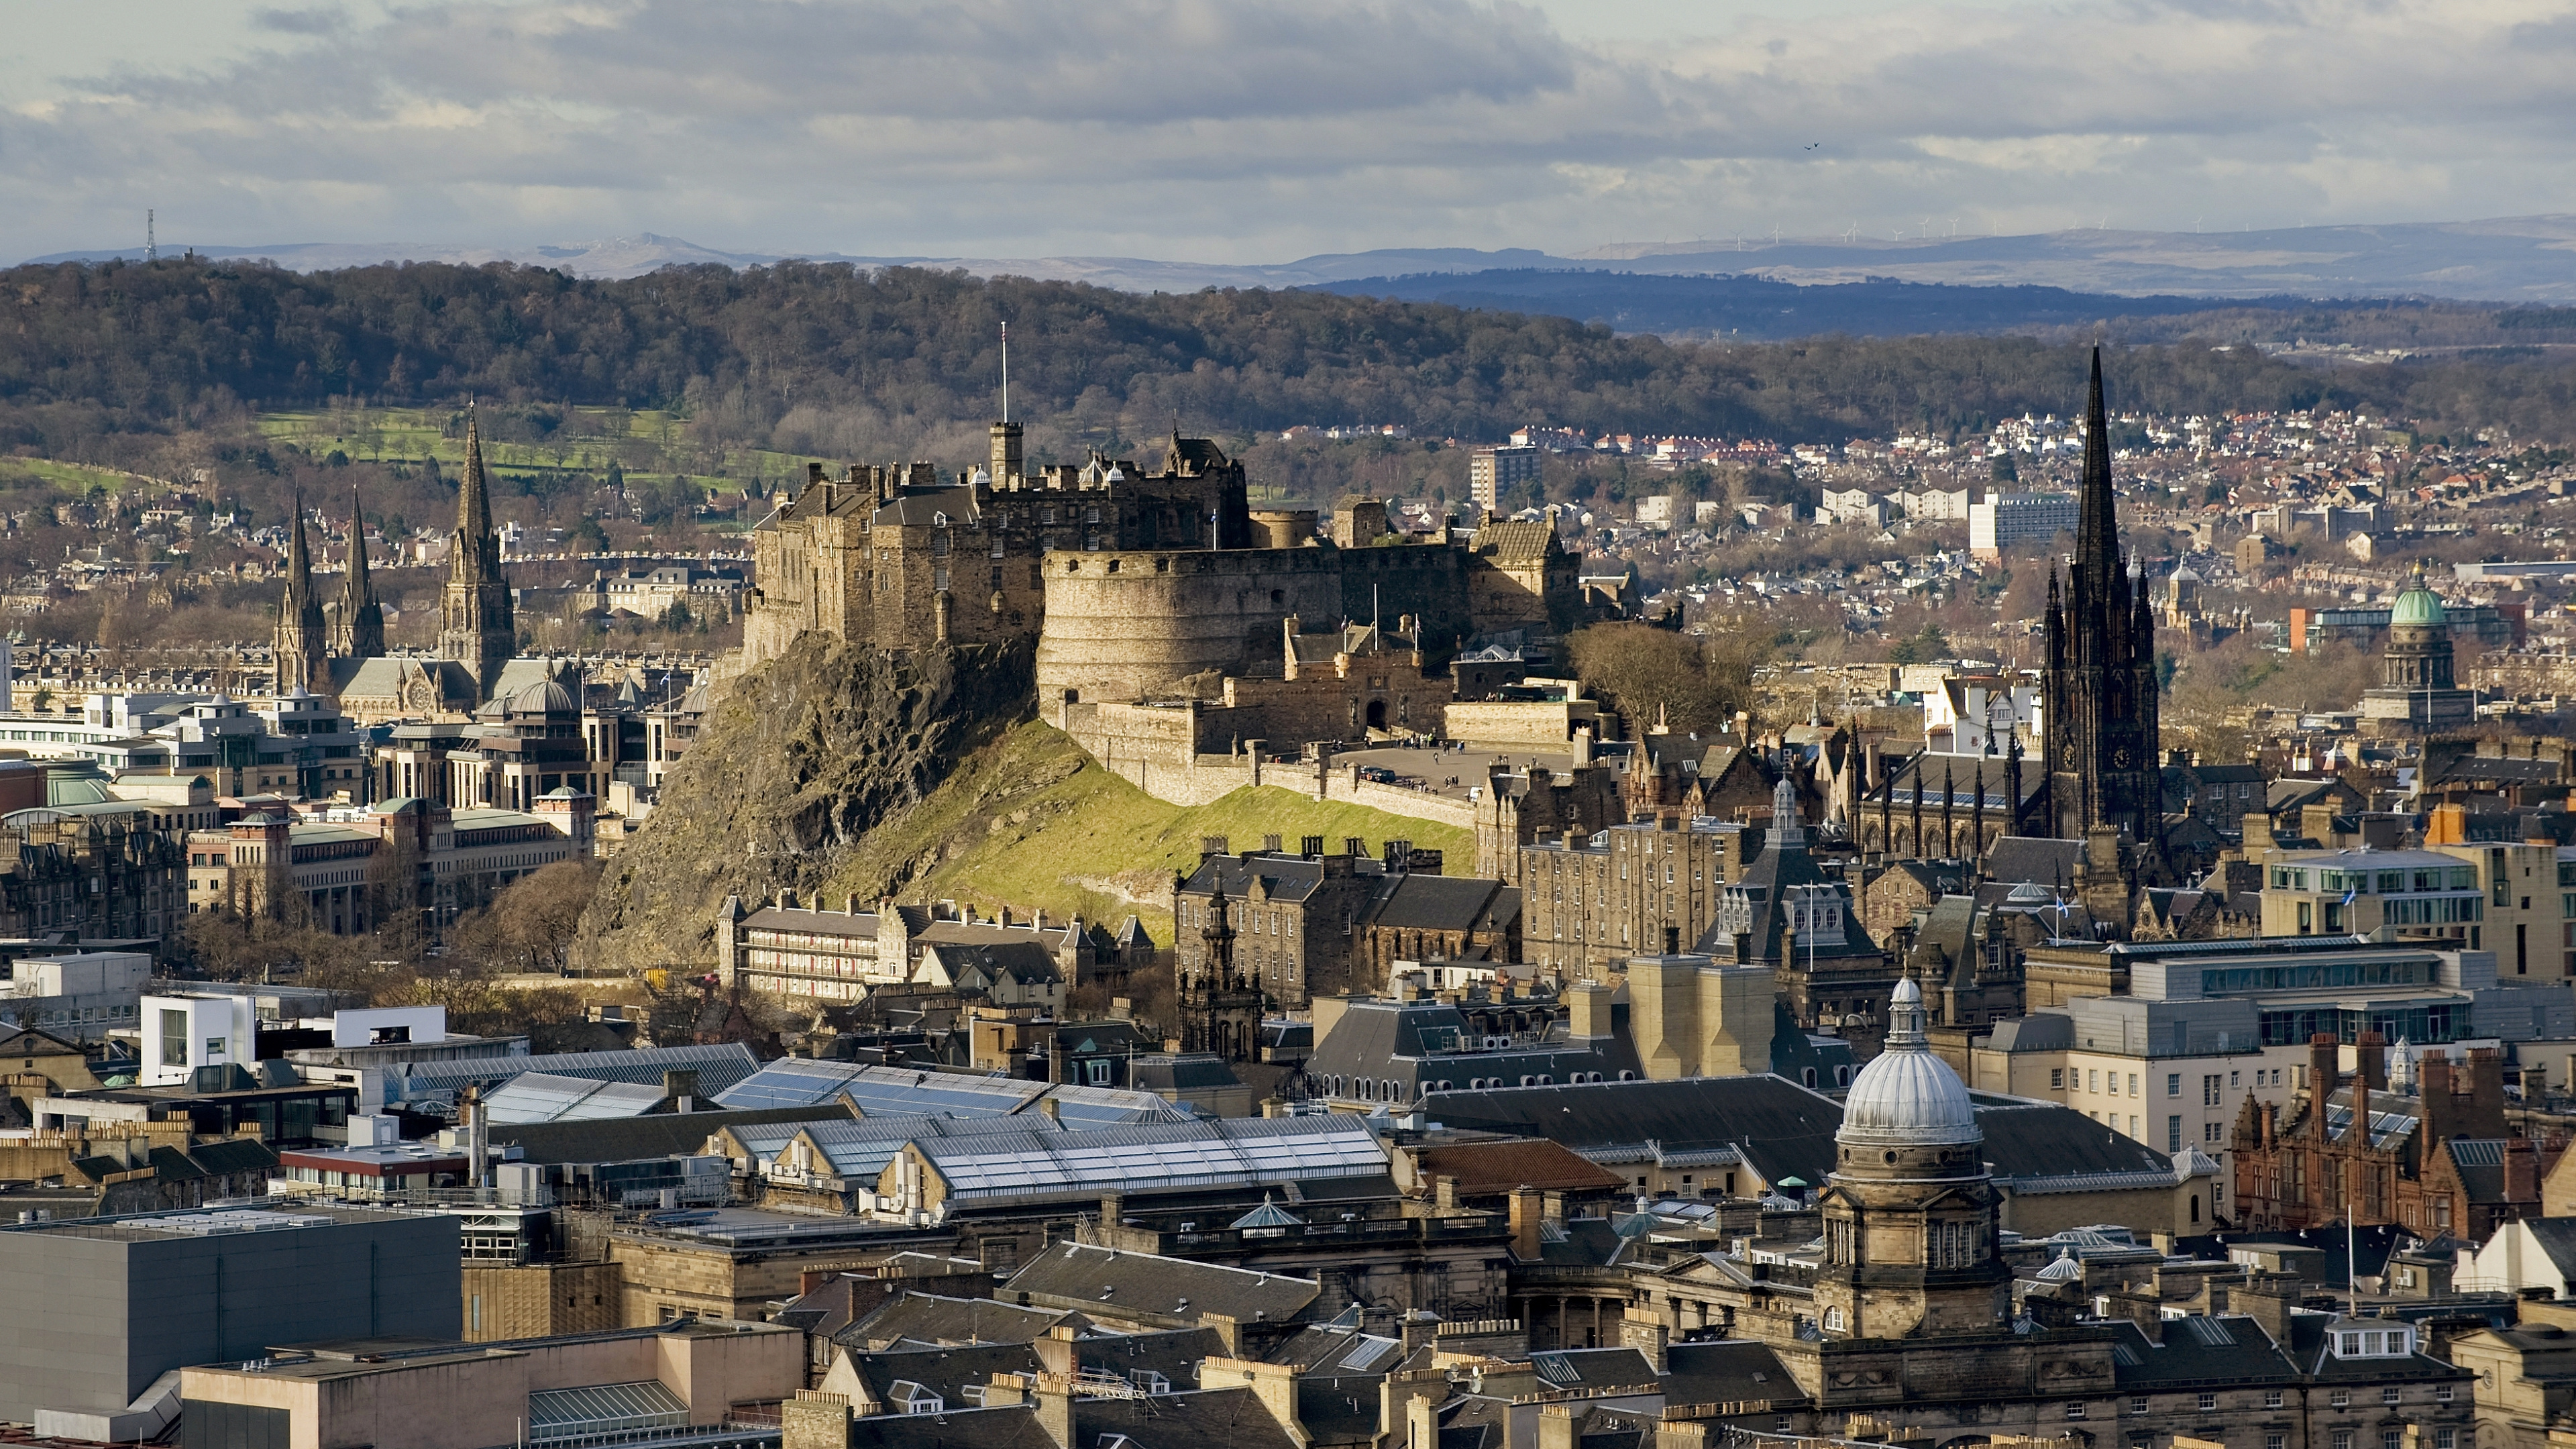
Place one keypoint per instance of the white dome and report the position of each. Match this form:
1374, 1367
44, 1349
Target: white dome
1907, 1097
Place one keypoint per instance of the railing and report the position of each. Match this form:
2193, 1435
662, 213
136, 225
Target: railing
537, 1196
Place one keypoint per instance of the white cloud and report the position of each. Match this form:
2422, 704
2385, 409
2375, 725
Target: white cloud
1262, 129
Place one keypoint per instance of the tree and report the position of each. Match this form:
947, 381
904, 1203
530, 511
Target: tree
530, 925
1650, 674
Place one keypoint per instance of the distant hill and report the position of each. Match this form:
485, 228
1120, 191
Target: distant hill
2506, 259
1759, 309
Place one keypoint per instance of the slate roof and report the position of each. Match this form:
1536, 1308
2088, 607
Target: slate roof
921, 507
2019, 858
1728, 1371
2037, 1146
718, 1067
1413, 1042
945, 1371
2188, 1352
2556, 1239
1781, 1128
1108, 1281
1416, 902
634, 1138
1180, 1072
2480, 1163
1283, 877
933, 1318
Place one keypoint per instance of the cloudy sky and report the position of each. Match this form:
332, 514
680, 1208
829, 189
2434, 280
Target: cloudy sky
1264, 130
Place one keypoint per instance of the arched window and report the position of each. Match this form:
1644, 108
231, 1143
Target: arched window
1809, 1076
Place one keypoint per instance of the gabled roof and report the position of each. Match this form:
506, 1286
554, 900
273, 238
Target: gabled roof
1780, 1128
1416, 902
934, 1318
2023, 858
1109, 1281
1503, 1164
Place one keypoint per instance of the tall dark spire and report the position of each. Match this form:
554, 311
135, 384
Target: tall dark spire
2099, 709
2097, 536
303, 636
362, 618
478, 626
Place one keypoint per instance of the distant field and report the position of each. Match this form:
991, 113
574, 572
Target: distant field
70, 477
647, 451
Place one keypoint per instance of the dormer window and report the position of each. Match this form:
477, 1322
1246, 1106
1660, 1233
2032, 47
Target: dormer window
2397, 1341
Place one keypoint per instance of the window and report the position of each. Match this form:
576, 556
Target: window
2276, 1441
2093, 1081
2057, 1079
2173, 1084
2075, 1411
2446, 1439
2343, 1400
2343, 1439
2137, 1404
2392, 1439
2209, 1403
2388, 1394
2442, 1395
2271, 1398
2209, 1095
2133, 1084
2173, 1134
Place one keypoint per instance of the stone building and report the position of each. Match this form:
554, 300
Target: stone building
895, 556
1784, 912
1293, 919
1418, 917
2418, 690
1536, 805
1910, 1232
1649, 887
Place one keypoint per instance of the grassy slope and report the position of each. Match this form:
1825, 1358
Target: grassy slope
1029, 822
416, 432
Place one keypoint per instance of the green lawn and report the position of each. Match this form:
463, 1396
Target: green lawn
1030, 822
70, 477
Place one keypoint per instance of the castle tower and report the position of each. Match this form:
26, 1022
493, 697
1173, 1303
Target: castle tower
477, 627
1219, 1007
302, 641
1910, 1209
2100, 685
361, 632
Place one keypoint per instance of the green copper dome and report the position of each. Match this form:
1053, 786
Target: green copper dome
2418, 605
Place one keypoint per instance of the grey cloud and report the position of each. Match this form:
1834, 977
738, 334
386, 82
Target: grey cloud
1251, 130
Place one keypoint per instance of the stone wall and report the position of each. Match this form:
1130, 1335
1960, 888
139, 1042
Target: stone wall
1131, 625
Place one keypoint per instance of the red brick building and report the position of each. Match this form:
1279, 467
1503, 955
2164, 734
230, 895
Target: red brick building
2434, 1156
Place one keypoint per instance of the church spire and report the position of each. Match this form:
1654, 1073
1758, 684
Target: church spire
478, 625
362, 617
302, 637
2097, 536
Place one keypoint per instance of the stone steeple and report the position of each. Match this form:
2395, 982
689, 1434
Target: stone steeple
477, 626
303, 637
361, 633
2100, 686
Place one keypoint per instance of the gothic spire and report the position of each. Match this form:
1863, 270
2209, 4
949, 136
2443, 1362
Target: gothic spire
299, 559
2097, 537
362, 584
473, 507
362, 618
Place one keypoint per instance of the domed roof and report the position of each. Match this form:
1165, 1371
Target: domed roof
2063, 1270
548, 697
1907, 1097
2418, 606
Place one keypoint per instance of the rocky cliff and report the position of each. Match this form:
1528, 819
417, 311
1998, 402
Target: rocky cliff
809, 754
